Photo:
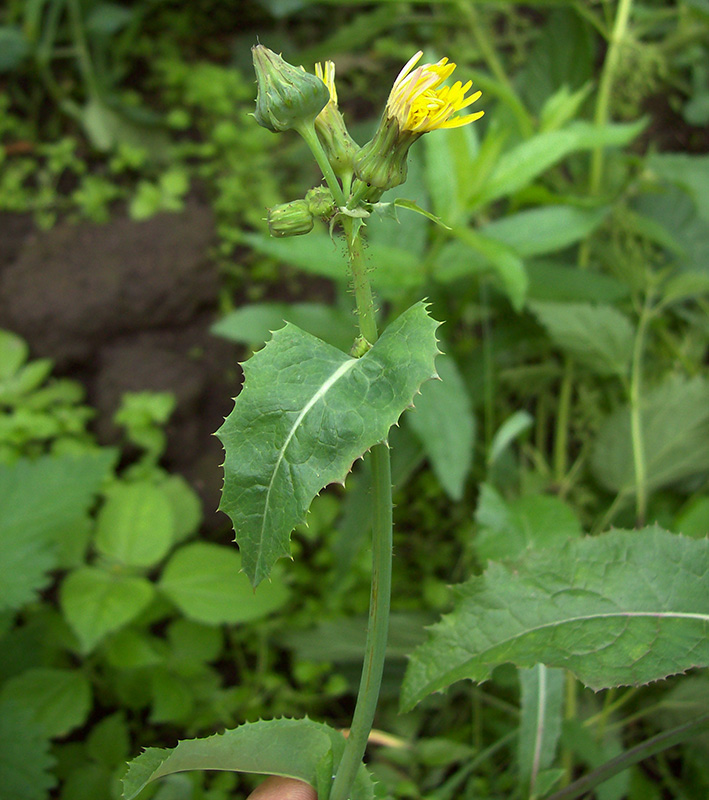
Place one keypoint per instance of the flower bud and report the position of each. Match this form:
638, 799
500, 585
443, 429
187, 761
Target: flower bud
330, 126
288, 96
290, 219
320, 201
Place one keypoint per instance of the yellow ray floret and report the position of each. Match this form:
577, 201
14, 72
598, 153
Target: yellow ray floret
326, 73
420, 104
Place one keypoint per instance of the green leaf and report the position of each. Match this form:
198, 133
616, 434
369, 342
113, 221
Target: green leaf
675, 433
59, 700
393, 268
14, 351
409, 205
624, 608
507, 529
518, 167
253, 324
310, 411
25, 756
511, 428
475, 254
691, 172
558, 282
599, 337
14, 47
37, 500
540, 721
96, 603
444, 422
292, 748
135, 525
206, 583
543, 230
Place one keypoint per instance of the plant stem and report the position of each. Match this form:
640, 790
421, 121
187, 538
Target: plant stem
561, 440
82, 49
378, 625
636, 430
620, 27
311, 139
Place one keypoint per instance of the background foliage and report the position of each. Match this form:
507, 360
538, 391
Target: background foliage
574, 397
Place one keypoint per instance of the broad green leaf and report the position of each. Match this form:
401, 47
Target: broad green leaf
540, 722
206, 583
449, 156
624, 608
135, 525
601, 337
675, 434
691, 172
25, 756
520, 166
185, 504
393, 268
14, 47
38, 499
474, 254
444, 422
292, 748
96, 603
253, 324
694, 519
558, 282
58, 700
507, 529
306, 412
538, 231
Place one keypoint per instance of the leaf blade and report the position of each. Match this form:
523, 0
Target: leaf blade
625, 608
311, 411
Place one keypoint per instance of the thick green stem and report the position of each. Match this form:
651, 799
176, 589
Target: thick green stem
378, 626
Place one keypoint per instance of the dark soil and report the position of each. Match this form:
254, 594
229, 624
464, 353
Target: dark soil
124, 307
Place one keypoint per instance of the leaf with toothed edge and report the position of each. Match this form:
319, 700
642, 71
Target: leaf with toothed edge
621, 609
306, 413
292, 748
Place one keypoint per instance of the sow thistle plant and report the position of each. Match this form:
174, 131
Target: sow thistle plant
623, 608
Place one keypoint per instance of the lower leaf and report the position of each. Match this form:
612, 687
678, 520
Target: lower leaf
292, 748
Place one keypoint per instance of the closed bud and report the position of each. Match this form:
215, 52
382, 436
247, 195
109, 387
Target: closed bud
290, 219
320, 201
288, 96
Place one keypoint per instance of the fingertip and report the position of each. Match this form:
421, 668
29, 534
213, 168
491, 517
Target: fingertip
277, 788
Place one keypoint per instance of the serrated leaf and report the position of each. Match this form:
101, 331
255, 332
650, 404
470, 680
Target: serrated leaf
624, 608
287, 747
601, 337
96, 603
58, 700
675, 432
206, 583
25, 755
444, 422
37, 500
306, 412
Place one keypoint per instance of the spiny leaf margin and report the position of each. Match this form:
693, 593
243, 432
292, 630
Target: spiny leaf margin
306, 413
625, 608
294, 748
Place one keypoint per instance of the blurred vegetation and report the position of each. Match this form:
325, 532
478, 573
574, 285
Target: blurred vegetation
574, 283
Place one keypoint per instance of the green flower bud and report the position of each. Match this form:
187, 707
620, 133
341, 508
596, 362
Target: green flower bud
330, 126
320, 201
290, 219
288, 96
381, 163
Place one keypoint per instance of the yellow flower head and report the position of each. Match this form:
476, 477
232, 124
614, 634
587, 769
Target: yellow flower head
420, 104
326, 73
